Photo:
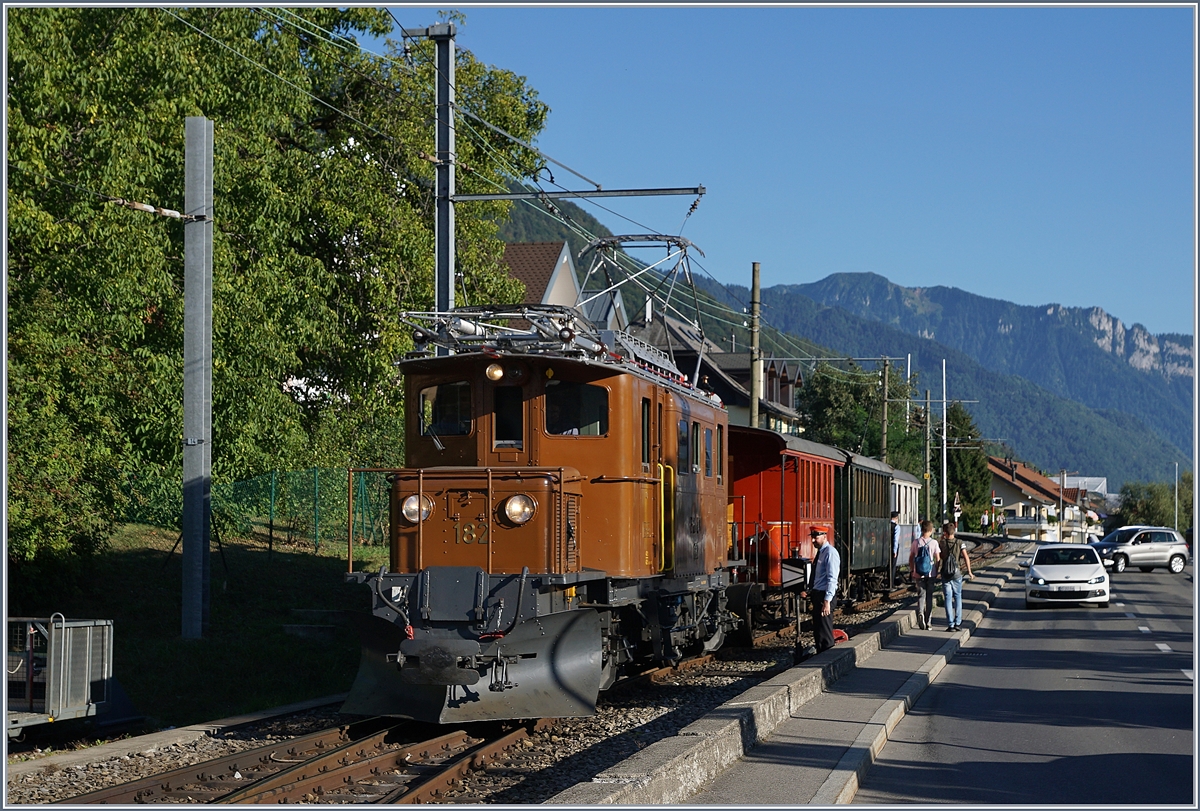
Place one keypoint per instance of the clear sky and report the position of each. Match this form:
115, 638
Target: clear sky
1033, 154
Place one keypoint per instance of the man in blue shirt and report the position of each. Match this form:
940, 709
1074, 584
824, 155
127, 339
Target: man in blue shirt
823, 593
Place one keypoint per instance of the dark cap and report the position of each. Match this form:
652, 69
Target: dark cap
895, 513
819, 529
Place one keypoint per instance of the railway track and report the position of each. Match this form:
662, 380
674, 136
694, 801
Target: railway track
366, 762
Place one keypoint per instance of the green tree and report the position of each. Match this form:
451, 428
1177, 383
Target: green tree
966, 462
324, 204
844, 408
1153, 503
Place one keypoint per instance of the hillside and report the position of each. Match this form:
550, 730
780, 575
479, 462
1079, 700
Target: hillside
1048, 430
1082, 354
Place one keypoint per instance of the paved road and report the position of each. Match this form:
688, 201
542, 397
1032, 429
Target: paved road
1069, 704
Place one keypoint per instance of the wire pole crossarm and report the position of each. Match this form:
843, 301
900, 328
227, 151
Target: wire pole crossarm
554, 195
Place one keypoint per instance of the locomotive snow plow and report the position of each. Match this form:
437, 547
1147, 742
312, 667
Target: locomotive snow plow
535, 667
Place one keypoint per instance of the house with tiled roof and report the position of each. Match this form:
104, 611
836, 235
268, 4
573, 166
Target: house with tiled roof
1030, 503
550, 277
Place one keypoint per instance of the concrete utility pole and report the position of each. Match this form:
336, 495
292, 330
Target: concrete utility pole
928, 476
1062, 524
945, 435
755, 354
883, 443
197, 372
445, 153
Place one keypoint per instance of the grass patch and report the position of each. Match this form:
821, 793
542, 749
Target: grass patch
245, 662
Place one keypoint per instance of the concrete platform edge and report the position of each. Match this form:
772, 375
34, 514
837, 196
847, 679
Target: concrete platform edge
673, 769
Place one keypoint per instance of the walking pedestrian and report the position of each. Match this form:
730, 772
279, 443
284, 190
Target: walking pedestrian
823, 594
983, 523
954, 562
923, 562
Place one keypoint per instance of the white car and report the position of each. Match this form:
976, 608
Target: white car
1065, 572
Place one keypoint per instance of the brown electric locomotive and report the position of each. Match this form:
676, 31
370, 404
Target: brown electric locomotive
562, 520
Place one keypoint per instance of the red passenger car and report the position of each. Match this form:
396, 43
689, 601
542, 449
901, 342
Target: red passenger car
780, 486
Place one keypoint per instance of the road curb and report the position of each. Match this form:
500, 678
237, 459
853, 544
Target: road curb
671, 770
154, 741
842, 784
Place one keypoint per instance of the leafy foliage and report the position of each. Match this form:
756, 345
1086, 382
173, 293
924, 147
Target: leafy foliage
324, 233
967, 472
1153, 503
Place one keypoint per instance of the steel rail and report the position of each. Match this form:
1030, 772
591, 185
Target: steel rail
214, 778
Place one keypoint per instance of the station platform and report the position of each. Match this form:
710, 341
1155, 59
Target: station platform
805, 736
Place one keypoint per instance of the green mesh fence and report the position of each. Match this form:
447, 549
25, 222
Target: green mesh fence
291, 507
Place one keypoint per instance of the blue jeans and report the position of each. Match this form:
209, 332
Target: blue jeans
952, 591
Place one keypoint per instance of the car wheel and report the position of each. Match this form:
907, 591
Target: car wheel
1103, 604
1146, 568
1176, 564
1119, 563
1030, 606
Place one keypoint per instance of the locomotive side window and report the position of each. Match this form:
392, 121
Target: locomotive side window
446, 409
646, 432
720, 451
695, 447
708, 452
510, 417
684, 466
576, 409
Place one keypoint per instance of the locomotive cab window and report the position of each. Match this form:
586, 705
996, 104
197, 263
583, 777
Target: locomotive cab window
708, 452
696, 447
446, 409
509, 416
684, 467
576, 409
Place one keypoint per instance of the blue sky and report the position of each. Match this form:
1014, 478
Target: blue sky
1038, 155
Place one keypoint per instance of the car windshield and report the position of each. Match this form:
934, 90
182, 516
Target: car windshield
1119, 535
1066, 557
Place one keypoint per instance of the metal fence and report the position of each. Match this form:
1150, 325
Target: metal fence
292, 507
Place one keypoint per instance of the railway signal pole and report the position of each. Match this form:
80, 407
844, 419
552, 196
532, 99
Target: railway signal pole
197, 372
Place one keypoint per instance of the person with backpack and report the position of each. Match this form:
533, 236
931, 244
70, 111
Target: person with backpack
954, 561
923, 563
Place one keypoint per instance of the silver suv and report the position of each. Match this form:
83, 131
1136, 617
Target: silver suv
1147, 548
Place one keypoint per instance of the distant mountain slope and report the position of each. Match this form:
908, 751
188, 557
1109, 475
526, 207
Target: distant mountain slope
1085, 355
1051, 431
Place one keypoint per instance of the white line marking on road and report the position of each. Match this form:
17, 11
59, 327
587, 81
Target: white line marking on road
1143, 629
1162, 647
1120, 605
1131, 616
1189, 674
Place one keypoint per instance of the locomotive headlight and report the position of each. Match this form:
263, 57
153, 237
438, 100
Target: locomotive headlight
519, 508
414, 505
494, 372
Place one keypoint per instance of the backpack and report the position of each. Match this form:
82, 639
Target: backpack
950, 568
924, 560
